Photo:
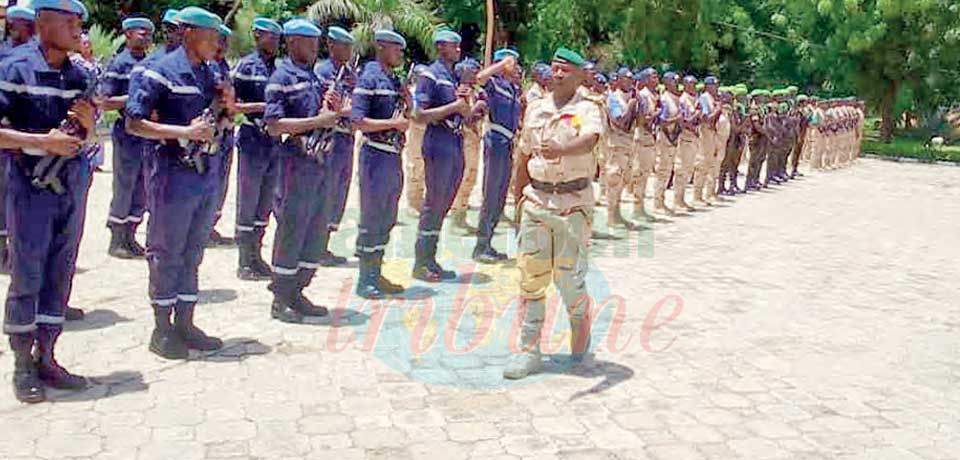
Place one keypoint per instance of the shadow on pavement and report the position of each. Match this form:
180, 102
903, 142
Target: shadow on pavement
613, 374
217, 296
96, 319
234, 350
102, 387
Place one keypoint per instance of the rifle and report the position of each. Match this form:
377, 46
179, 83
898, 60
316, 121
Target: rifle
399, 138
320, 141
193, 153
46, 173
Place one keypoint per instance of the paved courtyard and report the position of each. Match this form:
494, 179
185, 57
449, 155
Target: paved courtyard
818, 320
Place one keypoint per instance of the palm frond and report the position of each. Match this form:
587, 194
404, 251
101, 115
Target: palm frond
327, 11
104, 42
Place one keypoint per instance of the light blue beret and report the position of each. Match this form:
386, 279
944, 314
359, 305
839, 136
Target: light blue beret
70, 6
301, 27
389, 36
225, 31
502, 53
446, 36
339, 34
267, 25
21, 12
170, 16
137, 23
198, 17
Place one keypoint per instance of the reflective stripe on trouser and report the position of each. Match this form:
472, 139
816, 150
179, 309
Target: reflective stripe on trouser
616, 169
297, 242
337, 170
666, 153
413, 155
258, 170
703, 166
183, 205
45, 230
443, 168
554, 248
129, 175
471, 160
497, 166
226, 162
381, 181
645, 158
687, 151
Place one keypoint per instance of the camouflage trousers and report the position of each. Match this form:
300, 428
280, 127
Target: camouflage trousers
617, 169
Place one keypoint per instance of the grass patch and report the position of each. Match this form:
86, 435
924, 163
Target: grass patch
906, 145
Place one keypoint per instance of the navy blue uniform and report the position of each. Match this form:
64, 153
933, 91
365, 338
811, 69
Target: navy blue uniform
295, 92
503, 100
227, 143
45, 227
182, 201
338, 164
6, 48
129, 192
442, 157
259, 167
376, 96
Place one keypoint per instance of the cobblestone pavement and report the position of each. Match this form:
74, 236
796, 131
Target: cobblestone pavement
818, 320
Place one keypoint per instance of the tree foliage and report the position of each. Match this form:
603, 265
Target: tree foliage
899, 55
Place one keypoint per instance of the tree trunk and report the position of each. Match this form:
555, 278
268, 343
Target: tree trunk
491, 29
886, 111
228, 19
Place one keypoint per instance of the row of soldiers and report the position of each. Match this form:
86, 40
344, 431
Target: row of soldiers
303, 122
707, 131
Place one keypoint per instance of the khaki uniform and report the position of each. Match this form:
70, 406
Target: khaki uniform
724, 128
471, 160
413, 155
687, 152
666, 148
645, 143
620, 148
555, 227
704, 176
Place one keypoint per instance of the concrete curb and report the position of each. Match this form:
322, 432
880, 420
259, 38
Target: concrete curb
909, 160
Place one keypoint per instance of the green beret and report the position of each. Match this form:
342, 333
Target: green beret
793, 89
802, 97
699, 86
570, 57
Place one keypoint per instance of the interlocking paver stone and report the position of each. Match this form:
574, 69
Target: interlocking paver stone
813, 321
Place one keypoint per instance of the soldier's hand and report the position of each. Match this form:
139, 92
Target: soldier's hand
85, 113
333, 100
479, 108
462, 107
464, 92
401, 123
199, 130
59, 143
551, 149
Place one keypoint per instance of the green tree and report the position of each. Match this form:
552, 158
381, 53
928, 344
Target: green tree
413, 19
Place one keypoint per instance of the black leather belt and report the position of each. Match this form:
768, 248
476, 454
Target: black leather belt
561, 187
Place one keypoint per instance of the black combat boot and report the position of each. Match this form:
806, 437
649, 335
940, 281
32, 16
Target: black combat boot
193, 337
50, 372
284, 306
165, 341
368, 286
248, 269
303, 305
119, 247
27, 386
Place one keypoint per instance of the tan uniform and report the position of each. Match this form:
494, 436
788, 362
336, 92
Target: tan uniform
616, 168
471, 160
687, 152
413, 155
724, 128
645, 143
704, 176
666, 149
555, 227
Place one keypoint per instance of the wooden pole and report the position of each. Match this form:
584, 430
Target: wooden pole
488, 45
